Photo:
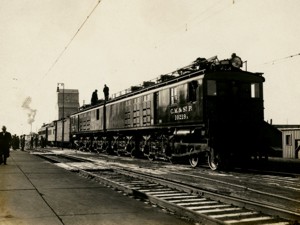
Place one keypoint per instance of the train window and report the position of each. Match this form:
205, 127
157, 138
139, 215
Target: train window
223, 89
127, 109
255, 91
146, 98
192, 91
236, 89
97, 114
211, 88
174, 95
245, 90
136, 100
288, 139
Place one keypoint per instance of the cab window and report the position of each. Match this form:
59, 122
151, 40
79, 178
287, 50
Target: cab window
255, 90
174, 95
192, 91
211, 88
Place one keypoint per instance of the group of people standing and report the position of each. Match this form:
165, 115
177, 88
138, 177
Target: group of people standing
7, 141
94, 99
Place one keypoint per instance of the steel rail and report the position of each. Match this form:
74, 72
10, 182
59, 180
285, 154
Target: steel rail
174, 194
228, 199
238, 186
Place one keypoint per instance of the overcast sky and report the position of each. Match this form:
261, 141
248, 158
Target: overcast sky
124, 43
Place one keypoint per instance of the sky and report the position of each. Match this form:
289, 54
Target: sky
86, 44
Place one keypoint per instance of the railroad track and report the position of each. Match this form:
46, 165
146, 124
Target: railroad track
184, 199
276, 191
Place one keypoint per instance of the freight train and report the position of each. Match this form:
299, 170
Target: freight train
211, 109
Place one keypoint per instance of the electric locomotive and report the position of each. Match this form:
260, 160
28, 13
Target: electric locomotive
210, 109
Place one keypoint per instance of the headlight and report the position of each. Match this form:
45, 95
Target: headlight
236, 61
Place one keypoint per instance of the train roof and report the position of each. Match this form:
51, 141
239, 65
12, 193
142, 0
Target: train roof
200, 66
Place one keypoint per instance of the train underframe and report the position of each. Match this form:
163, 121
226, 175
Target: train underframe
236, 144
192, 145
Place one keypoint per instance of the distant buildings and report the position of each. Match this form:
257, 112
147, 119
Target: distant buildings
67, 101
290, 140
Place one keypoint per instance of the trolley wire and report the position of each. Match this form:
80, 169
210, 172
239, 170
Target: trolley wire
204, 15
71, 40
280, 59
92, 11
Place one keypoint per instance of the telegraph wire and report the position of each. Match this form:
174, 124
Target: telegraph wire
81, 26
216, 12
234, 2
184, 25
281, 59
195, 18
205, 11
73, 37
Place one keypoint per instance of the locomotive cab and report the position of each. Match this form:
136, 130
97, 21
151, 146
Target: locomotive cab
234, 114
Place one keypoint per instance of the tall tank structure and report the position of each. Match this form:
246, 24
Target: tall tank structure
67, 101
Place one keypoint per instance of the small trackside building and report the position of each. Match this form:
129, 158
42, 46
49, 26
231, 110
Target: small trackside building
290, 141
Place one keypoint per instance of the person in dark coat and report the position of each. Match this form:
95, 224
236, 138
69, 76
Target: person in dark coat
17, 142
22, 142
94, 97
106, 92
31, 142
5, 142
42, 142
36, 141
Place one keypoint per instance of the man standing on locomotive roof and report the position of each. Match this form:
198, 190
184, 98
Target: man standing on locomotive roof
5, 142
94, 97
106, 92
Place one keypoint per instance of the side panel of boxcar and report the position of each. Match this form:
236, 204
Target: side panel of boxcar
66, 129
97, 118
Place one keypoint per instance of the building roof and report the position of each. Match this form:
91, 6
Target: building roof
286, 126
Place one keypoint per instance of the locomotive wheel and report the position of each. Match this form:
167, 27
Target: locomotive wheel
109, 150
172, 159
193, 159
151, 157
147, 153
120, 153
214, 160
133, 153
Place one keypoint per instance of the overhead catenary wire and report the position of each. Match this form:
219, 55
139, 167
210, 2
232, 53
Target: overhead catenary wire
71, 40
204, 15
281, 59
83, 23
208, 9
